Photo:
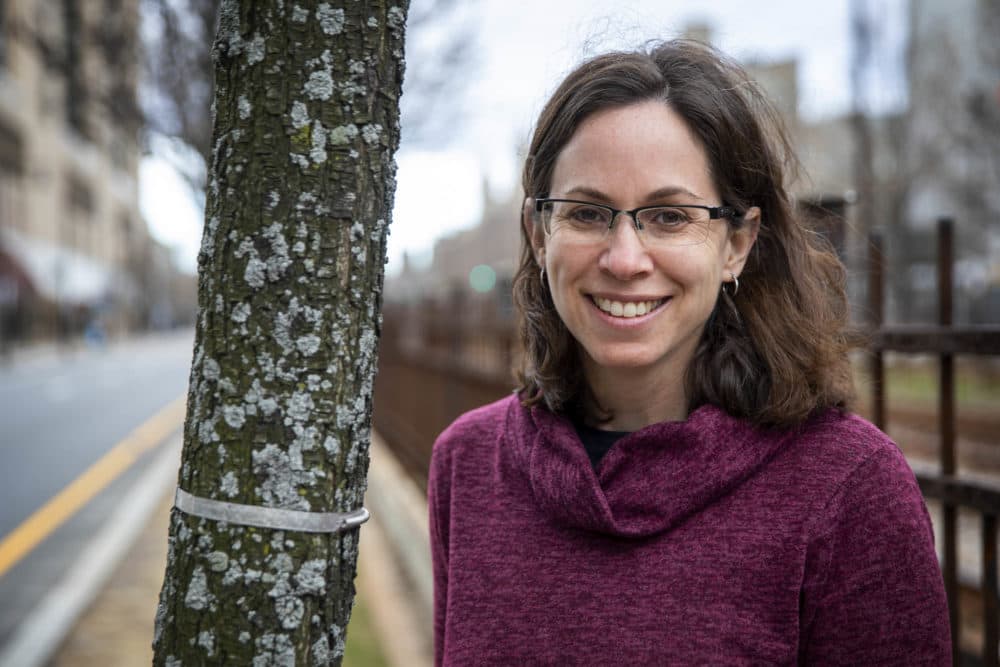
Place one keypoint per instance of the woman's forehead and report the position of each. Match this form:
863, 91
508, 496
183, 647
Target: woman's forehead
639, 151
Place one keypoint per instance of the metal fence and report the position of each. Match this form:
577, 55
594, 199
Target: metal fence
946, 341
436, 361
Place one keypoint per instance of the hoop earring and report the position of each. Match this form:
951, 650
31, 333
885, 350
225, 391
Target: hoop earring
736, 286
541, 276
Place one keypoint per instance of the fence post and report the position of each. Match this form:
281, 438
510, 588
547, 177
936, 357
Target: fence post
876, 305
946, 424
946, 396
989, 588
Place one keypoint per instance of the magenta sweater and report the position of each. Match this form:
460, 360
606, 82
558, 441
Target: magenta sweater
697, 542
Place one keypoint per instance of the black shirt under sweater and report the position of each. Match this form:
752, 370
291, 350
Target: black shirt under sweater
597, 442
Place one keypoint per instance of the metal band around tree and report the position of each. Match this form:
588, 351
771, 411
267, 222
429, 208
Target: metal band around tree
269, 517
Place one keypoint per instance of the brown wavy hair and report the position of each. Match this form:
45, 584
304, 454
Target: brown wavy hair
775, 352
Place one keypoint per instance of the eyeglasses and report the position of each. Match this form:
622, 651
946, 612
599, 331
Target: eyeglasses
674, 225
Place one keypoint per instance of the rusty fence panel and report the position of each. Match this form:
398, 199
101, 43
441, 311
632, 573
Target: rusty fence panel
946, 341
437, 361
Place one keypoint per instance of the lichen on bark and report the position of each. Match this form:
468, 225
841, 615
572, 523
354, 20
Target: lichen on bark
306, 123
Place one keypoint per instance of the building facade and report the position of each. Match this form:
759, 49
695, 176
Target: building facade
74, 249
952, 148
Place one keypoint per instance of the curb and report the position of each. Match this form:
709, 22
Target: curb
394, 563
402, 513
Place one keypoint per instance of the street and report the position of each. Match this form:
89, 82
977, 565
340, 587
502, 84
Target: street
71, 445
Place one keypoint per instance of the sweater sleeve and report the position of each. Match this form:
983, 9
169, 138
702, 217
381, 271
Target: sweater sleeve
872, 591
438, 495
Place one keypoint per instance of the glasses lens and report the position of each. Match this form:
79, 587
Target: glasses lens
580, 219
675, 225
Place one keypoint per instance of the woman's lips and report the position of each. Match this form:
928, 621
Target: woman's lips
627, 309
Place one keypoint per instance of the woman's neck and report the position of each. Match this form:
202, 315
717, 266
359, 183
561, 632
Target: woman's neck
636, 397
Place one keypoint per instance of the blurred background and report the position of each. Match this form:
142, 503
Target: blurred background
105, 128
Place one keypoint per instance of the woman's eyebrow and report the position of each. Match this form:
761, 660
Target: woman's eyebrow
671, 191
588, 192
661, 193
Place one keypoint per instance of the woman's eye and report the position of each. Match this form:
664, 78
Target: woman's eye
668, 217
589, 214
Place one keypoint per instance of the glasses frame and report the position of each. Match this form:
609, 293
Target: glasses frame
714, 212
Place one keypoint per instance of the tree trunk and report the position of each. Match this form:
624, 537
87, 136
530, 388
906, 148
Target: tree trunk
290, 279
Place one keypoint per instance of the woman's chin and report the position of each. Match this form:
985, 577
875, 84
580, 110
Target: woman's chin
635, 360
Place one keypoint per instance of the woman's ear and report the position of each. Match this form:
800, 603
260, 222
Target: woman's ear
741, 241
533, 228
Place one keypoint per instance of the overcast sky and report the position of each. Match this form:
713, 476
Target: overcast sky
523, 50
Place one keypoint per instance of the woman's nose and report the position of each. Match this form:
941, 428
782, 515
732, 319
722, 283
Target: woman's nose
625, 256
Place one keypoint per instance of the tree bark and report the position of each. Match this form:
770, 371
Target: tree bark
290, 278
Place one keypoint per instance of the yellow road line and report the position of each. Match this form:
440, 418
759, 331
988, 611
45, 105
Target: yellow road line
67, 502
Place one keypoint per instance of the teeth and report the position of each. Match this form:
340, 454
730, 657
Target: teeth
626, 309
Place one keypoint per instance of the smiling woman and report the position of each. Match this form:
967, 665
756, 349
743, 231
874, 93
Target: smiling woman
668, 263
678, 479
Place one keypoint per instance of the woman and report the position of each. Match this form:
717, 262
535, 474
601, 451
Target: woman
677, 481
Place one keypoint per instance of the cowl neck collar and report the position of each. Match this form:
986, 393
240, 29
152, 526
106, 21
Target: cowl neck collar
650, 481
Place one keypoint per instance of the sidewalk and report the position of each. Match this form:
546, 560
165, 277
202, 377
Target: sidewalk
117, 628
